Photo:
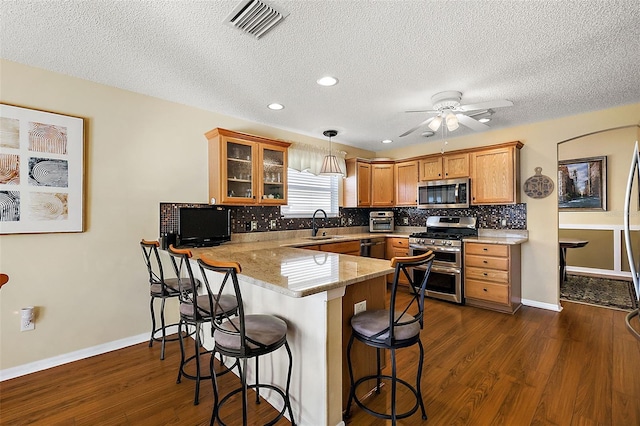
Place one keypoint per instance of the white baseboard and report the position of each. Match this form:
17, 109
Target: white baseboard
55, 361
542, 305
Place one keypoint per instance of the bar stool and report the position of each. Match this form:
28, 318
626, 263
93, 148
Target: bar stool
242, 338
159, 288
392, 329
196, 310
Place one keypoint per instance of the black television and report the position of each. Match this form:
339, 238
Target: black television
203, 227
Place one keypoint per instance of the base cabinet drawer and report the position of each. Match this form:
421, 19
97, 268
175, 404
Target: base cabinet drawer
501, 263
492, 276
491, 292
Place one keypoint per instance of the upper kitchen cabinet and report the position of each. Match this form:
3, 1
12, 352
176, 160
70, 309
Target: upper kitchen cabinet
495, 174
448, 166
406, 177
246, 169
357, 185
382, 184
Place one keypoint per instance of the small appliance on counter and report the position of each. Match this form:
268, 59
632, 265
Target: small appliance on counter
381, 222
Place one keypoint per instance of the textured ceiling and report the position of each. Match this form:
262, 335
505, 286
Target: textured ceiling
550, 58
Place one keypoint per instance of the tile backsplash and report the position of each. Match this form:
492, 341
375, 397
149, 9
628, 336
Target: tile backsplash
490, 217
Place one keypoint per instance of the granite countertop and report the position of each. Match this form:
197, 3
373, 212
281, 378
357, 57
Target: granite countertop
499, 236
279, 262
282, 265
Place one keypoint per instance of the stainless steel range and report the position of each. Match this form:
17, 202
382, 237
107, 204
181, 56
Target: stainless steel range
443, 236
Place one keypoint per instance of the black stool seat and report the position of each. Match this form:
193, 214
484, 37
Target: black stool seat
392, 329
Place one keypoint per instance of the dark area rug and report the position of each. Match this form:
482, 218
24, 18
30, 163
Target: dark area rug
604, 292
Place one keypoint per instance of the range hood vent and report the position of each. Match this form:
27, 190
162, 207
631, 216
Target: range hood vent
255, 17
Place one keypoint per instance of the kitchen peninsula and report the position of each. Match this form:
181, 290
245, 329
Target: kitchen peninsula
309, 289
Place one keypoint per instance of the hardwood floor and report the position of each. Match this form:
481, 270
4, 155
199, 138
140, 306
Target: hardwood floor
578, 367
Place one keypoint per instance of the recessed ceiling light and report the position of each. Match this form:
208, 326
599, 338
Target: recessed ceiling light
327, 81
485, 120
387, 141
275, 107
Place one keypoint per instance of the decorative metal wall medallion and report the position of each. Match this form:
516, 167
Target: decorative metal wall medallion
538, 185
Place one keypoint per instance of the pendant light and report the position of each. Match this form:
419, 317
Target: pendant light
330, 166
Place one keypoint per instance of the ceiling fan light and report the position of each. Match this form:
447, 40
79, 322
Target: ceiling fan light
435, 123
452, 122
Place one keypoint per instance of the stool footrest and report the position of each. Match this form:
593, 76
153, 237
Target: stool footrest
261, 386
378, 413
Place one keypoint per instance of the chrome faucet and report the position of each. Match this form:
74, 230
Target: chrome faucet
314, 228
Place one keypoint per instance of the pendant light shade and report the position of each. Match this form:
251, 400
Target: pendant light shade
330, 166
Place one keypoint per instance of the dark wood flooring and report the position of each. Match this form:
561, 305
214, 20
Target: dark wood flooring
578, 367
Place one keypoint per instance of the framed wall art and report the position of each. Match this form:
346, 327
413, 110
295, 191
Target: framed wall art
582, 184
41, 171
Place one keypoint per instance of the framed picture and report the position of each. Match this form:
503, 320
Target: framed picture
41, 171
582, 184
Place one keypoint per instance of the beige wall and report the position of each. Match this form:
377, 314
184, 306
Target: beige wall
540, 253
617, 145
89, 287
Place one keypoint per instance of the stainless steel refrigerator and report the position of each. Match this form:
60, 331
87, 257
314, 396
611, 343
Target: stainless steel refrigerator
634, 262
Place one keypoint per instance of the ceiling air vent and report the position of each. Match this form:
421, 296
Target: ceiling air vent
255, 17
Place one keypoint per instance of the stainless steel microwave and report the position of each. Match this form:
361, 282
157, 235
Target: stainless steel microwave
450, 193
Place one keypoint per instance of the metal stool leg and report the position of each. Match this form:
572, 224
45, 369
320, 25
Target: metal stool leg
164, 329
419, 379
347, 411
153, 321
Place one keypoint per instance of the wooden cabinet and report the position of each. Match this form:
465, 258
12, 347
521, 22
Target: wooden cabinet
246, 169
397, 247
342, 247
447, 166
406, 179
492, 276
357, 185
382, 187
495, 175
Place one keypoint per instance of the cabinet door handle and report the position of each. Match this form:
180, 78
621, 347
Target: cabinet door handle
485, 249
484, 289
484, 273
484, 261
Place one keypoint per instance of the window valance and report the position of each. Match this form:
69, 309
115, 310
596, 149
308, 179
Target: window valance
308, 158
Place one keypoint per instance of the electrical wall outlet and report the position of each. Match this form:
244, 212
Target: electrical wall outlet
343, 221
350, 221
359, 307
273, 224
254, 225
27, 318
405, 220
504, 222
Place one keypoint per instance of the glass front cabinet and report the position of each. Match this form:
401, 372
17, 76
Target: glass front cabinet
246, 169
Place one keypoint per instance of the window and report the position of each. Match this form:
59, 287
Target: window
308, 192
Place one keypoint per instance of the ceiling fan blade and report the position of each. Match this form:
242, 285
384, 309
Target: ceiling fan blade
427, 121
429, 111
501, 103
472, 123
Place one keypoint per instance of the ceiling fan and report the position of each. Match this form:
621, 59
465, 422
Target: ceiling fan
446, 106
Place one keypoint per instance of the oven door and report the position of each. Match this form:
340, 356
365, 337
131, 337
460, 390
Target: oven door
445, 278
